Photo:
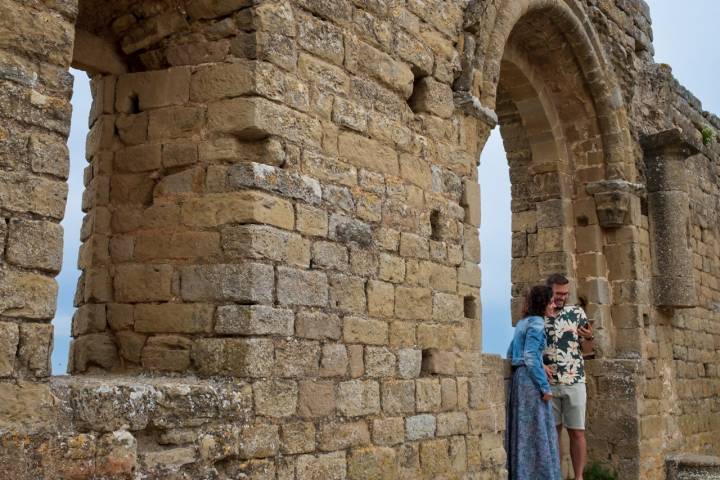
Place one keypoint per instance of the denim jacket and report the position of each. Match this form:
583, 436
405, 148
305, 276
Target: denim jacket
527, 348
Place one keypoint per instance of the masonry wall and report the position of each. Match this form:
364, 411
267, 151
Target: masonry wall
280, 246
284, 194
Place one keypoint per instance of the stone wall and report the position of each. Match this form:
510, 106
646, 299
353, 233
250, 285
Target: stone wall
280, 251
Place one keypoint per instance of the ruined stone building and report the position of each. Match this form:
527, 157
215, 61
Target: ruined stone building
280, 259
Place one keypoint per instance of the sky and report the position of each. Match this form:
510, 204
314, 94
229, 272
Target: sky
684, 37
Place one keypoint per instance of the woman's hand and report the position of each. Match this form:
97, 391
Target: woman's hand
547, 397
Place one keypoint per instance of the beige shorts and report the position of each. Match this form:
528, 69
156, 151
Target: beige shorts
569, 402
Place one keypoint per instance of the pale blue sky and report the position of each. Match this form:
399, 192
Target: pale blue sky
684, 37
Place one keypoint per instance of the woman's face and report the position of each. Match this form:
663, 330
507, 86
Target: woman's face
550, 309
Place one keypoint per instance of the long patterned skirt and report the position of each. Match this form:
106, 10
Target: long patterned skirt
531, 439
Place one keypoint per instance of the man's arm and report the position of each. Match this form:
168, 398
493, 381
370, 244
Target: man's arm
585, 329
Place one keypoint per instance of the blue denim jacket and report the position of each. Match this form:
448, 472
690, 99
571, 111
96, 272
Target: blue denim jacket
527, 347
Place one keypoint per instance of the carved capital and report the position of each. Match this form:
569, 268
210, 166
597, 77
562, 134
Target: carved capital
612, 200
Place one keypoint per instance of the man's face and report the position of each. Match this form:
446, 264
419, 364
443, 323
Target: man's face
560, 295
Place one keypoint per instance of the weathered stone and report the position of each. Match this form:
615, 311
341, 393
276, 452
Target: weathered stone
9, 338
227, 282
298, 287
276, 398
375, 462
317, 399
297, 437
358, 397
420, 427
173, 318
252, 357
253, 320
364, 330
341, 436
318, 325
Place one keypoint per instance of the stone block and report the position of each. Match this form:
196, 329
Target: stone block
23, 193
369, 154
247, 282
130, 345
95, 349
362, 58
35, 244
138, 158
379, 362
347, 293
276, 398
265, 242
317, 325
206, 9
48, 154
297, 437
439, 362
434, 457
409, 362
358, 397
297, 358
320, 38
403, 334
174, 318
380, 298
299, 287
334, 360
175, 122
449, 393
330, 255
259, 441
350, 115
167, 353
420, 427
311, 221
343, 435
398, 397
413, 303
143, 283
154, 89
414, 246
431, 96
253, 320
317, 399
391, 268
254, 118
9, 339
452, 423
89, 318
365, 330
274, 179
331, 466
448, 308
388, 431
242, 357
377, 463
428, 394
356, 361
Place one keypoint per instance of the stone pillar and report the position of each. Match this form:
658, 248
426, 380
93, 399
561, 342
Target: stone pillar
669, 214
35, 91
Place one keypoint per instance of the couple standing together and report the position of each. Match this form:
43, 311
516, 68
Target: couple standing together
547, 387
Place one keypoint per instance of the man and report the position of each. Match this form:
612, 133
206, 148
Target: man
566, 370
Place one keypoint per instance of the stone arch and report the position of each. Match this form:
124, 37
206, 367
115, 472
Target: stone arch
568, 142
576, 27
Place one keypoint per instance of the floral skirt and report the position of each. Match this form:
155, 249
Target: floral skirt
531, 439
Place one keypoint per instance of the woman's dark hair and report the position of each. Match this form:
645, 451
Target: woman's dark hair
537, 300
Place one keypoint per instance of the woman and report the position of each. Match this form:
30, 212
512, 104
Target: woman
531, 439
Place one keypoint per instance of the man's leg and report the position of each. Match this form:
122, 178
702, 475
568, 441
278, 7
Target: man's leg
574, 420
578, 451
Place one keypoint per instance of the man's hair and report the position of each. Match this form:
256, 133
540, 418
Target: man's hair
556, 279
537, 300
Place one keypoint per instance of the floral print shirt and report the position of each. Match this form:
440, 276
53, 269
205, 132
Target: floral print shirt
563, 353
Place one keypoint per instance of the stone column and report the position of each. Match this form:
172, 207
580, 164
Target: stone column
35, 91
669, 214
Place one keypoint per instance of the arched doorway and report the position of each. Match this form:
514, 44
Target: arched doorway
571, 171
